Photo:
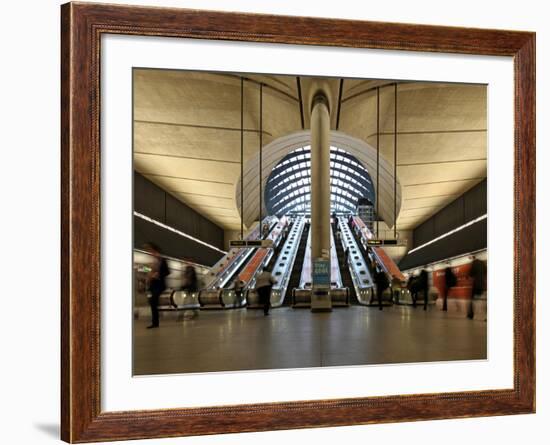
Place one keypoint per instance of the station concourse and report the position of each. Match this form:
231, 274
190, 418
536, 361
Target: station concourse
365, 200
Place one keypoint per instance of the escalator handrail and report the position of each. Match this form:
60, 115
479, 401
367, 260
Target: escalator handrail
275, 234
365, 235
334, 257
236, 261
355, 277
283, 282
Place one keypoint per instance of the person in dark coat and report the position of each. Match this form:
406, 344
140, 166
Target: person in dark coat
338, 235
382, 283
156, 282
412, 286
372, 269
265, 230
477, 272
450, 281
423, 286
189, 280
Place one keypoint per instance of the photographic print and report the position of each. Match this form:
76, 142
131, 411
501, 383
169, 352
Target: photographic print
306, 216
285, 221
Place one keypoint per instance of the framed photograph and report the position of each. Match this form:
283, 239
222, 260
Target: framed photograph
274, 222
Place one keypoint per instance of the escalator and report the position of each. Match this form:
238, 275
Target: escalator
375, 257
228, 267
297, 268
361, 246
280, 266
356, 265
213, 298
277, 249
339, 295
347, 281
378, 254
223, 296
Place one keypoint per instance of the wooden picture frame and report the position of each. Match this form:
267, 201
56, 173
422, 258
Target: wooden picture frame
82, 26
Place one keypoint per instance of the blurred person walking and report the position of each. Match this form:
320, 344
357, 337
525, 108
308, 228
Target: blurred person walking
238, 288
264, 283
382, 283
265, 230
477, 273
450, 281
190, 285
423, 286
156, 282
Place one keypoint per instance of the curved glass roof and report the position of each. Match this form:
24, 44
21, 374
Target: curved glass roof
288, 188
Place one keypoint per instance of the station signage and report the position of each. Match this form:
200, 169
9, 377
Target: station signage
266, 243
321, 272
382, 242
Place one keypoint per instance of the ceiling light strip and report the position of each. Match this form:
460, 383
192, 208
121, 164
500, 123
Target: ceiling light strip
185, 235
458, 229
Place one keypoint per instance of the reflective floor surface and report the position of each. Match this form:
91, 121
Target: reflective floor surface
244, 339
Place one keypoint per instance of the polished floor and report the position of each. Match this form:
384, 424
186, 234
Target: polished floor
296, 338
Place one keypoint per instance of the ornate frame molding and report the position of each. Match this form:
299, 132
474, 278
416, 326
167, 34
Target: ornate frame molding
81, 27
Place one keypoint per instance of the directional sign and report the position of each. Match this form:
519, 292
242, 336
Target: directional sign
266, 243
382, 242
255, 243
374, 242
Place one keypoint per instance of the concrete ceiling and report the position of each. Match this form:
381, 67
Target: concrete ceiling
187, 136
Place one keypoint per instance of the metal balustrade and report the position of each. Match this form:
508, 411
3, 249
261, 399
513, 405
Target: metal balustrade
285, 262
358, 267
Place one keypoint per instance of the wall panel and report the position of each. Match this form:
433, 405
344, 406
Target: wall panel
469, 206
154, 202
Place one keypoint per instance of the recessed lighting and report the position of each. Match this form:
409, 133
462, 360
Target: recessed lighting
458, 229
179, 232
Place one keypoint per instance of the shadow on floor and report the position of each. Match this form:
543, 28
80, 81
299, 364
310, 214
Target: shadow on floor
49, 429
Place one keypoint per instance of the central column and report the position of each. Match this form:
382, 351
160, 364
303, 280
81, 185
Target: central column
320, 203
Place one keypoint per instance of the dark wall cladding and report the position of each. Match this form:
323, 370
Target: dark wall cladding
467, 207
149, 199
469, 239
153, 201
449, 218
475, 201
424, 232
172, 244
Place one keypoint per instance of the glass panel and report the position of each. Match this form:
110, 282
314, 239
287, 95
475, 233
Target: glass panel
288, 188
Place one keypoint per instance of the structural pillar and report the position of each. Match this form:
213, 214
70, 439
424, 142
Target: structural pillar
320, 203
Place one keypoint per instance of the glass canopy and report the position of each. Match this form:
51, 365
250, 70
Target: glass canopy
288, 188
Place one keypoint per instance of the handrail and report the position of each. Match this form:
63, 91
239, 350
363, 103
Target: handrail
305, 276
383, 260
171, 258
240, 256
293, 236
362, 290
334, 266
265, 255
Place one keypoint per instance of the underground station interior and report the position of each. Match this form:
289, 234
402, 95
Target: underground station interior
364, 201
